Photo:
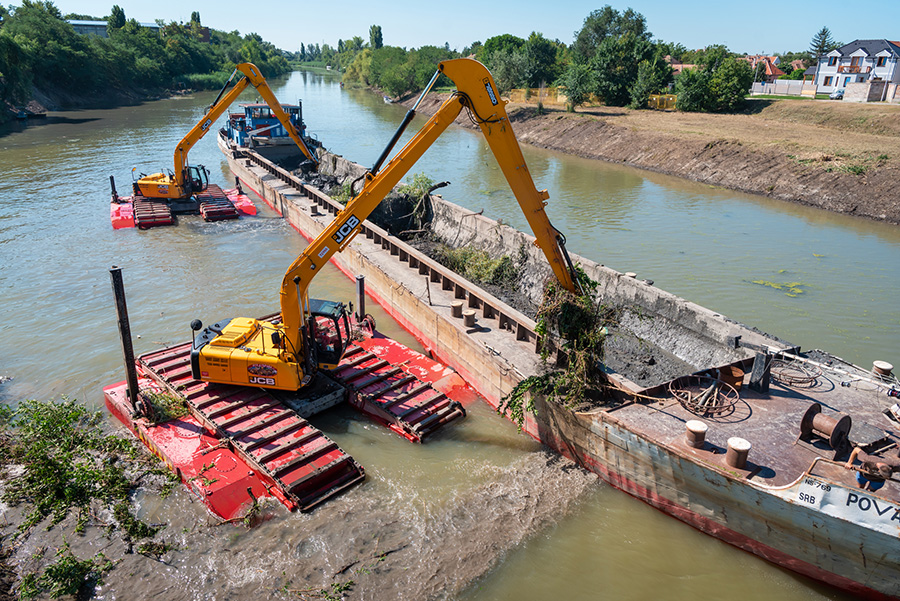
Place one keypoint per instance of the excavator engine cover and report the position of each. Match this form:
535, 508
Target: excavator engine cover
240, 351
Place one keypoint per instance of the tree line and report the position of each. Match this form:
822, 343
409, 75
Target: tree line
39, 48
613, 57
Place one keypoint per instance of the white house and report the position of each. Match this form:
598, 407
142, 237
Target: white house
860, 61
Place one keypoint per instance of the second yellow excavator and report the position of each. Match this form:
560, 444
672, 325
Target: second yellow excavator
187, 180
251, 352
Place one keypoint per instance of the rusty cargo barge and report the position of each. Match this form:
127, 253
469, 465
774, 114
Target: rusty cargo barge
762, 470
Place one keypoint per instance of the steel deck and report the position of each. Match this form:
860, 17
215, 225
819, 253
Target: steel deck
303, 465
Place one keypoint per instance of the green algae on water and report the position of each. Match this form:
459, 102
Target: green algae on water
792, 289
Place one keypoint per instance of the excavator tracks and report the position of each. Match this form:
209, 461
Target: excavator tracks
151, 212
301, 465
399, 387
215, 204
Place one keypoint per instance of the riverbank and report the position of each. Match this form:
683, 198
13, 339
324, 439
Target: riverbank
834, 156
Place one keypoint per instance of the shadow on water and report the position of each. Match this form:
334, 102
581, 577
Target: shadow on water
19, 126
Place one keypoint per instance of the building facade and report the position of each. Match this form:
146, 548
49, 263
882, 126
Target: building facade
860, 61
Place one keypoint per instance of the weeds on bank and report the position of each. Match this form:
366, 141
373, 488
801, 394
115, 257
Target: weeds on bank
840, 162
417, 188
68, 465
582, 325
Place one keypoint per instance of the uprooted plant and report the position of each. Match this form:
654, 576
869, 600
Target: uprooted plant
418, 189
581, 325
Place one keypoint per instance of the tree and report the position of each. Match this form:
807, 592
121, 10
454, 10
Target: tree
759, 74
822, 43
195, 17
116, 19
509, 68
375, 39
616, 66
604, 23
719, 85
653, 76
507, 42
579, 83
14, 77
540, 60
728, 85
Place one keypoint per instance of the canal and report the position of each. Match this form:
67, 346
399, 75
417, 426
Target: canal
481, 512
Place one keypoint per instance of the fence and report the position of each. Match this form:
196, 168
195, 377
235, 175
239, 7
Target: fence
551, 95
784, 87
662, 102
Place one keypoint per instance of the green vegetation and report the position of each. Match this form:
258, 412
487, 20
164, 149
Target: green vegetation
67, 575
719, 84
477, 265
164, 406
38, 47
792, 289
68, 464
613, 58
823, 43
582, 325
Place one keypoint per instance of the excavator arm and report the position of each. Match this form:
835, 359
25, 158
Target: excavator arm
477, 93
178, 185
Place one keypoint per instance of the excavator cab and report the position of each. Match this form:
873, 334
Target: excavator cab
198, 178
331, 331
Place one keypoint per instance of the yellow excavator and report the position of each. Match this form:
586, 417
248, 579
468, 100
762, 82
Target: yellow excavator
188, 180
250, 352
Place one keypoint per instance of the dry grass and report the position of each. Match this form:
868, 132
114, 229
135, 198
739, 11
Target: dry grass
806, 130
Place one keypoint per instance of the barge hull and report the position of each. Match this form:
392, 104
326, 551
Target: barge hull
734, 506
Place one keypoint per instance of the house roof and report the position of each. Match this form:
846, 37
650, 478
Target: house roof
768, 61
870, 47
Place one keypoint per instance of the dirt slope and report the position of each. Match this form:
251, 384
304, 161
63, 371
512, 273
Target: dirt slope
835, 156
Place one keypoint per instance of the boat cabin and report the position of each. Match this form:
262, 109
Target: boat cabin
256, 124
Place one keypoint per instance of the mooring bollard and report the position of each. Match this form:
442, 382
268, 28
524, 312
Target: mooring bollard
456, 308
469, 318
695, 433
736, 455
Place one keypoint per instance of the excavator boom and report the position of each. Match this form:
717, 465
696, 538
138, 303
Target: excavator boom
291, 349
179, 184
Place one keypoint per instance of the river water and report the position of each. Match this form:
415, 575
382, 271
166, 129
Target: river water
480, 512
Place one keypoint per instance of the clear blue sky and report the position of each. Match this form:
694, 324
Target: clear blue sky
752, 27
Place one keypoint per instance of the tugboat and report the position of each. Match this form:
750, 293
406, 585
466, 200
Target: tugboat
257, 128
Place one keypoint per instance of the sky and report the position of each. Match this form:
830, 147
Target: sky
761, 27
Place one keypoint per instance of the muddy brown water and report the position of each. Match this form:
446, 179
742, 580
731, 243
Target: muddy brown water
480, 512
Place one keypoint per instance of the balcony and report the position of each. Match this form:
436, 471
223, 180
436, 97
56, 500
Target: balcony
853, 69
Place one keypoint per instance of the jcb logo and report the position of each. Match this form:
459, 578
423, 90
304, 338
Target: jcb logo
206, 124
346, 229
262, 381
490, 90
